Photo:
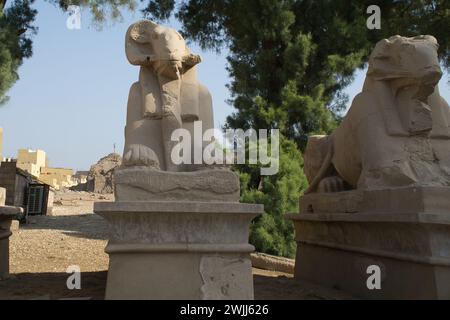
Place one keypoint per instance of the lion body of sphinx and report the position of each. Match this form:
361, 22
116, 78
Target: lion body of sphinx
381, 144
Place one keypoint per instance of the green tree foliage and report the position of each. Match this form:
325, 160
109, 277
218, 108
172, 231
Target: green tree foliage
289, 62
101, 10
15, 42
310, 48
271, 232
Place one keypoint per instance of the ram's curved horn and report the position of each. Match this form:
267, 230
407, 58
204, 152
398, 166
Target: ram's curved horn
138, 46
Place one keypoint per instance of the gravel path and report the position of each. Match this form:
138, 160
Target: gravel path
42, 250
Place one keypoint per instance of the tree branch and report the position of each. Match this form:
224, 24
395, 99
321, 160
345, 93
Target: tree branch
2, 5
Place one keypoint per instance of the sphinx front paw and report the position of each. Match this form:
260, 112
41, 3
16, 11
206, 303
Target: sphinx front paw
140, 155
331, 184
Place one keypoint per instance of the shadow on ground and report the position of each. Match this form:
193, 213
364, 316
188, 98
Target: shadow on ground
88, 226
287, 288
50, 286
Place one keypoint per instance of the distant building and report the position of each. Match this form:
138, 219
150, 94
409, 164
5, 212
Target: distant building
22, 184
35, 162
58, 177
25, 190
31, 161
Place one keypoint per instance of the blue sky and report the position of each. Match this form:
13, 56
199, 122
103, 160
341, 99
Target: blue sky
71, 97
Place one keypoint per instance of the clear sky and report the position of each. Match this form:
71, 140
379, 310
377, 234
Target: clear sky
71, 98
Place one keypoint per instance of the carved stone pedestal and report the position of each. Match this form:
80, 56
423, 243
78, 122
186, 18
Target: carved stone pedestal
179, 250
404, 231
6, 215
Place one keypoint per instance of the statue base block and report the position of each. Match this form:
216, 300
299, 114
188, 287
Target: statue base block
404, 231
147, 184
7, 214
179, 250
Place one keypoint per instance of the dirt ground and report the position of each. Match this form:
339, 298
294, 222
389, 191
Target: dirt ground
42, 250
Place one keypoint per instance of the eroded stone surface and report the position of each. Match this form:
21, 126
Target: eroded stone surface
379, 191
404, 231
166, 98
345, 201
179, 250
186, 223
7, 213
178, 231
433, 200
396, 132
2, 196
231, 282
146, 184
